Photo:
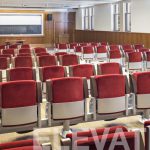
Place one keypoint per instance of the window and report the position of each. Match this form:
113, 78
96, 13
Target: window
128, 17
116, 17
88, 18
13, 24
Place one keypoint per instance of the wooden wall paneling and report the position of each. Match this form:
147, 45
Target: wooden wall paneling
113, 37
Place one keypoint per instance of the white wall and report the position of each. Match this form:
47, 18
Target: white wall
79, 19
140, 16
103, 17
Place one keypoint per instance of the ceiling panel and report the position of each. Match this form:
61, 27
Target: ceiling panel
52, 3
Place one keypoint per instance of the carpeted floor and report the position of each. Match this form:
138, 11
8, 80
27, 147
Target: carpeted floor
52, 134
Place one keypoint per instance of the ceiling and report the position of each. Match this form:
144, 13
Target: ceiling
55, 4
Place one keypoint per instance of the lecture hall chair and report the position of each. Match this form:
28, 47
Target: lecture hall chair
101, 52
140, 82
88, 53
113, 138
78, 50
82, 70
104, 43
29, 144
138, 46
135, 61
4, 63
22, 61
9, 51
67, 100
126, 46
46, 60
23, 73
147, 134
20, 111
147, 59
13, 46
114, 47
143, 50
62, 47
69, 59
2, 47
110, 93
51, 72
109, 68
24, 50
25, 46
37, 50
71, 47
115, 56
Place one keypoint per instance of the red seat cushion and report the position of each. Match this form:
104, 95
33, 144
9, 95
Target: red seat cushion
47, 60
53, 72
67, 89
109, 86
109, 68
99, 131
21, 74
3, 63
83, 70
25, 95
101, 49
114, 54
23, 61
88, 49
39, 50
69, 59
135, 57
142, 82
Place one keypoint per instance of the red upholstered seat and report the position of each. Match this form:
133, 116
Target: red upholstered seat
9, 51
78, 49
62, 46
72, 45
40, 50
14, 46
143, 50
101, 49
82, 70
104, 90
109, 68
25, 46
114, 47
83, 44
47, 60
23, 101
138, 46
25, 50
51, 72
99, 131
148, 56
110, 92
23, 61
42, 54
58, 54
6, 55
4, 63
126, 46
147, 132
129, 50
104, 43
24, 54
140, 84
88, 49
69, 59
135, 57
128, 139
114, 54
2, 46
21, 74
20, 145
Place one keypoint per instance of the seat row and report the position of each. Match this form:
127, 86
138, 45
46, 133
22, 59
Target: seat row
49, 72
117, 137
67, 99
